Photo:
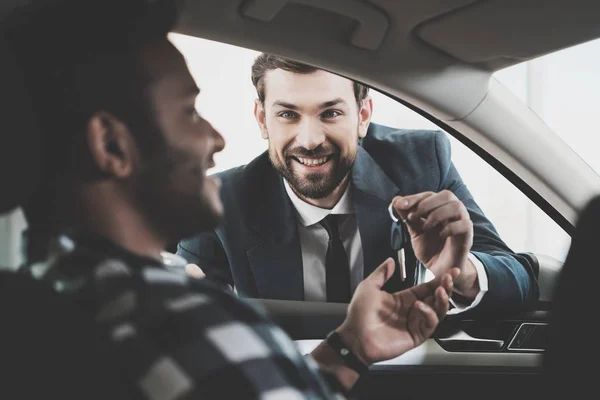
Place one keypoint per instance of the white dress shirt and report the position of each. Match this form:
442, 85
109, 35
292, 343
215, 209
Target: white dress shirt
314, 240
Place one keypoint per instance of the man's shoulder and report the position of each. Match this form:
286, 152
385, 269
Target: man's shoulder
114, 290
247, 177
244, 188
414, 146
416, 157
394, 139
160, 320
252, 169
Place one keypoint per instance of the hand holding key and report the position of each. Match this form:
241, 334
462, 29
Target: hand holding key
441, 235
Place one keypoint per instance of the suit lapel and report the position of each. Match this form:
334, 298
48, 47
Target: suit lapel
276, 261
373, 191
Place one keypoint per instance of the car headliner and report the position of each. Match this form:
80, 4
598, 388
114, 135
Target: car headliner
437, 56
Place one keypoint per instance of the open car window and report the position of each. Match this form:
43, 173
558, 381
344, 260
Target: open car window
497, 342
227, 101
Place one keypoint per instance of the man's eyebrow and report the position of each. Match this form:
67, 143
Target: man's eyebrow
327, 104
285, 105
333, 102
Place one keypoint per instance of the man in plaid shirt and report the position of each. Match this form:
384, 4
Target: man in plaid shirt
126, 175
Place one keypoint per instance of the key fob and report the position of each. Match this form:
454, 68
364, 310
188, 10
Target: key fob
398, 238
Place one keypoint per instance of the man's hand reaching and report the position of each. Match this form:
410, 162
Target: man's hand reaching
196, 272
380, 325
441, 233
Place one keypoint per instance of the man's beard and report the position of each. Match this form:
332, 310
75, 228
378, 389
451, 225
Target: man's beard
162, 192
316, 185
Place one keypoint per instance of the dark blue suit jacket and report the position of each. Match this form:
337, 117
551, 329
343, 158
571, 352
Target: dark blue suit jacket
257, 247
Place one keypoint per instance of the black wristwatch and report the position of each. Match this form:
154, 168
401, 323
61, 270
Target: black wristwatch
334, 340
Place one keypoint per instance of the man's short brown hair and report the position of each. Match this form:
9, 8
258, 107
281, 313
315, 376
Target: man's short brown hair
268, 62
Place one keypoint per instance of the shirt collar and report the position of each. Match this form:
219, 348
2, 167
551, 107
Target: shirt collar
310, 215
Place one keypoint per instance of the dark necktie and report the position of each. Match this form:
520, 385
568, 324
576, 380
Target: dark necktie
337, 270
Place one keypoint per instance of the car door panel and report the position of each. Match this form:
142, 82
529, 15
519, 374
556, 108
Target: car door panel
489, 353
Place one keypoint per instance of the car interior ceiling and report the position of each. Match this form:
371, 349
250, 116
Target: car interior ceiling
40, 328
419, 62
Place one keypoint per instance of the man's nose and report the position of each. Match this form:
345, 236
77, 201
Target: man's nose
309, 134
218, 139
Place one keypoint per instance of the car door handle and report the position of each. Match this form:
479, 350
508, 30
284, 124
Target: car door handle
462, 341
372, 24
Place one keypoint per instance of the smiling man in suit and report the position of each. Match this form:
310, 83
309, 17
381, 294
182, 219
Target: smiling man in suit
309, 219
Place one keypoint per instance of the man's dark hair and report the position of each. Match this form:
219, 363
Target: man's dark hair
78, 58
76, 66
114, 82
65, 97
267, 62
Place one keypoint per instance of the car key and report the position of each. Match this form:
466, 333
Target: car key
399, 237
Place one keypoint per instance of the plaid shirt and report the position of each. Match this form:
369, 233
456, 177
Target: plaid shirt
180, 338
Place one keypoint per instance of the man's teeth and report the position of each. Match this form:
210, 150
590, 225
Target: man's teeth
312, 162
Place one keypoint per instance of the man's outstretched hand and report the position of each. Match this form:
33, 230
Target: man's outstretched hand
381, 325
196, 272
441, 233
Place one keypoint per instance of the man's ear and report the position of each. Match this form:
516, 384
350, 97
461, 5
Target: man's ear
259, 114
111, 145
364, 116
